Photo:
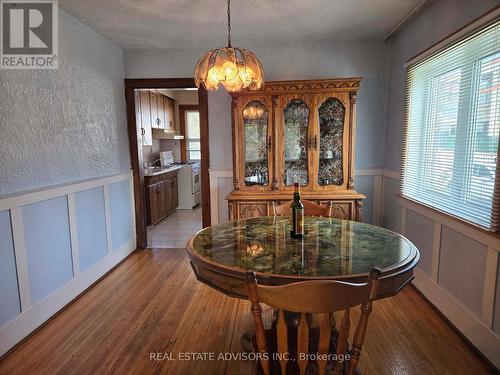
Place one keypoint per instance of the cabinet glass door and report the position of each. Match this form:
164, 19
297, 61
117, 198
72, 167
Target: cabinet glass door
255, 123
331, 128
296, 122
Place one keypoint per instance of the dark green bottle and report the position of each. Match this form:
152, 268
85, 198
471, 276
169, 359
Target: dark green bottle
297, 214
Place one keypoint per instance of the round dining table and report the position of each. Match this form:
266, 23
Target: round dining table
330, 249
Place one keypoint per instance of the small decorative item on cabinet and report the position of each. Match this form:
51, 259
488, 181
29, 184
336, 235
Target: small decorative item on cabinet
295, 132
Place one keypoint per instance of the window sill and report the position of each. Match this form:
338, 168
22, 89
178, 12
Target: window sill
490, 239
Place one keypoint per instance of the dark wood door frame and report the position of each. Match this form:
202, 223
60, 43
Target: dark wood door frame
137, 157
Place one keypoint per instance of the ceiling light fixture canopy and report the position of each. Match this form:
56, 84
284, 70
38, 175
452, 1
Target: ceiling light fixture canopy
234, 68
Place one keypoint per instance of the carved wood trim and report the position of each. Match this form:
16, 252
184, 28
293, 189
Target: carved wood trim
338, 84
251, 210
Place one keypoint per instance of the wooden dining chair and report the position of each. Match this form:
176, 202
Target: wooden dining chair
310, 209
310, 300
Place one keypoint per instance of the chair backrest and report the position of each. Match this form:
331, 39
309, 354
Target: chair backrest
310, 209
313, 297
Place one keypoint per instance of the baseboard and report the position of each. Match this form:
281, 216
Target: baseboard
478, 334
28, 321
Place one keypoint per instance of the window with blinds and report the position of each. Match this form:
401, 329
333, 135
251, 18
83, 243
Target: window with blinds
450, 153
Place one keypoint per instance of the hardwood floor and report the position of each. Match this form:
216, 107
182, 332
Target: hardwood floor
153, 304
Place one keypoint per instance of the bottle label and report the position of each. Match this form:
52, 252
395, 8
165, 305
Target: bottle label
299, 220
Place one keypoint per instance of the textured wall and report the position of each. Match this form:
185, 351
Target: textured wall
68, 124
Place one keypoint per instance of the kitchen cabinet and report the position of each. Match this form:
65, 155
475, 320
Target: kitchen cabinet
170, 122
164, 115
161, 196
156, 109
145, 117
295, 131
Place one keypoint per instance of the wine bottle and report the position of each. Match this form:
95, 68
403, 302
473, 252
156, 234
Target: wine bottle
297, 216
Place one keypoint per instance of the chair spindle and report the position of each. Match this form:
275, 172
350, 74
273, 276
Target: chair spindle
325, 330
282, 331
303, 343
342, 340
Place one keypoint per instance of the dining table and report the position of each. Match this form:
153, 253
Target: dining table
331, 249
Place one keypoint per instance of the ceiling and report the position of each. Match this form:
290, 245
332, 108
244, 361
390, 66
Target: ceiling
190, 24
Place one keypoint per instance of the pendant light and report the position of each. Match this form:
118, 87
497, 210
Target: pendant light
234, 68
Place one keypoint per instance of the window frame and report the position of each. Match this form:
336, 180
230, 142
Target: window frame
192, 139
183, 110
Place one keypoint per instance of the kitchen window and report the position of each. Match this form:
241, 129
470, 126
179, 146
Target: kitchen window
450, 153
193, 148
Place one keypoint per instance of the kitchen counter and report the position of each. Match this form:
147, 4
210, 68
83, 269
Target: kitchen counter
162, 170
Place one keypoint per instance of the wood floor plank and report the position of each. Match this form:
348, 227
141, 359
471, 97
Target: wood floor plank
152, 303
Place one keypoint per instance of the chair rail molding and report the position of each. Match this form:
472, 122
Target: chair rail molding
378, 175
34, 313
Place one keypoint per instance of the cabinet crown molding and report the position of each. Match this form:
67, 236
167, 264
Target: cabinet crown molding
312, 86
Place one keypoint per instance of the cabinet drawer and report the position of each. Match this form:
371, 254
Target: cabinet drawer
341, 210
151, 180
245, 210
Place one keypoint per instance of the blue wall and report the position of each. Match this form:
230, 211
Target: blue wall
9, 292
364, 185
120, 211
91, 224
48, 246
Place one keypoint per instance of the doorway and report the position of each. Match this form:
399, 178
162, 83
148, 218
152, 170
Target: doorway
185, 138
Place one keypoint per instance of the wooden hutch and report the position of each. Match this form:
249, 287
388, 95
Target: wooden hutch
295, 131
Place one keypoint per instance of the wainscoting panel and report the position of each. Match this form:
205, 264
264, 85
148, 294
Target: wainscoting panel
420, 231
462, 263
91, 226
119, 210
10, 305
48, 246
364, 185
391, 208
55, 243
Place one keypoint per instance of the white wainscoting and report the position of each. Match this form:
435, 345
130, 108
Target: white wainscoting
214, 192
33, 314
478, 330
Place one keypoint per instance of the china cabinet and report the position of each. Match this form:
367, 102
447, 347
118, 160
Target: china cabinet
295, 131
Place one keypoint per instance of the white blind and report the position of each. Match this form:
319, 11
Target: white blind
452, 129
